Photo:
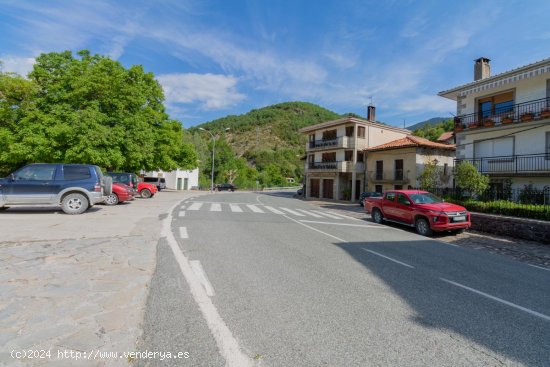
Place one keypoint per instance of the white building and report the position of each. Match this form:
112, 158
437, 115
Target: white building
178, 179
503, 123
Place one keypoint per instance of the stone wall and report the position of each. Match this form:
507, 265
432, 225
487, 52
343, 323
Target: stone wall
528, 229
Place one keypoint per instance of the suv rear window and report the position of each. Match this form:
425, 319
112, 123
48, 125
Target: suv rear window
76, 173
151, 179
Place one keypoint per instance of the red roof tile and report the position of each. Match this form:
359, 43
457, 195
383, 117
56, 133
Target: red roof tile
446, 136
411, 141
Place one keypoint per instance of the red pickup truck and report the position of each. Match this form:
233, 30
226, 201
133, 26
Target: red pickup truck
420, 209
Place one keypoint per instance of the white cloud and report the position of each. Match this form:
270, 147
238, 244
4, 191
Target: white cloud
16, 64
209, 90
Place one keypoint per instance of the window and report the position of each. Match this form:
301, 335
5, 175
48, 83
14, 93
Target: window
496, 105
548, 145
76, 173
390, 196
361, 131
378, 188
329, 157
360, 156
379, 170
398, 169
349, 131
398, 187
329, 135
36, 173
445, 169
494, 148
402, 199
348, 155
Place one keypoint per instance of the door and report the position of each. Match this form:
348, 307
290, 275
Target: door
186, 184
33, 184
379, 170
314, 188
357, 189
179, 184
403, 209
398, 169
388, 205
328, 189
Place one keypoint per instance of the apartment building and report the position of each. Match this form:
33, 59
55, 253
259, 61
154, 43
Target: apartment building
398, 164
335, 166
503, 123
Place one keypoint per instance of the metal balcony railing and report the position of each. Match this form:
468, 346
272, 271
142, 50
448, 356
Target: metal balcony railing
323, 165
389, 176
511, 164
532, 110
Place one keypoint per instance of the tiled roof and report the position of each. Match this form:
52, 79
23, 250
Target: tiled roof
446, 136
411, 141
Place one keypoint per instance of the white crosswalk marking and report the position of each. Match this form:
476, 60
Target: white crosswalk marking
309, 213
332, 216
195, 206
235, 208
215, 207
272, 209
255, 209
293, 212
183, 232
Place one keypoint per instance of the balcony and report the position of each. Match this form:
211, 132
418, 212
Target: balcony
521, 112
512, 165
397, 176
343, 142
336, 166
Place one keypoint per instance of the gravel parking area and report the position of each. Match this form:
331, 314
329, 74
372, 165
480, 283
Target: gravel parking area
534, 253
77, 283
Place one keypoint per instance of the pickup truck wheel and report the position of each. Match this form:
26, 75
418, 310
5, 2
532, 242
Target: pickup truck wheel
74, 203
423, 227
459, 231
145, 193
377, 216
112, 199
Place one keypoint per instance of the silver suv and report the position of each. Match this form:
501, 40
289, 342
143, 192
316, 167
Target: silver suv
74, 187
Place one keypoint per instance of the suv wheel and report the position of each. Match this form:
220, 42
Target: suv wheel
74, 203
111, 199
377, 216
423, 227
145, 193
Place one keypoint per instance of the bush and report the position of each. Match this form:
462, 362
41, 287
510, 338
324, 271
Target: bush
504, 207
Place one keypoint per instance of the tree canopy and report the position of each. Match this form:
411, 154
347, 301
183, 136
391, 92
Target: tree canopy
89, 109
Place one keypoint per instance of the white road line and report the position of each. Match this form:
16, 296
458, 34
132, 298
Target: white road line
182, 213
226, 342
216, 207
254, 208
538, 267
309, 213
272, 209
293, 212
235, 208
535, 313
342, 224
183, 232
327, 214
201, 274
389, 258
195, 206
314, 229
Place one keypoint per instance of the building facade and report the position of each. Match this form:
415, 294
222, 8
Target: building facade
335, 167
503, 123
178, 179
398, 164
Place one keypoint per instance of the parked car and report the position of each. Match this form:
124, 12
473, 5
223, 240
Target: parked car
75, 187
369, 194
159, 182
226, 187
145, 190
120, 194
420, 209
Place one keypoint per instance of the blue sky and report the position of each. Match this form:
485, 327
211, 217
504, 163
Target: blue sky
219, 58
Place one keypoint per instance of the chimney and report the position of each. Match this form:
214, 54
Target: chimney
482, 69
371, 113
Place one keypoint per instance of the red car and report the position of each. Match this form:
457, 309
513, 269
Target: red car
120, 194
145, 190
420, 209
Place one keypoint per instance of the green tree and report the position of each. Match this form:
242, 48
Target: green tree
90, 109
468, 178
432, 132
429, 179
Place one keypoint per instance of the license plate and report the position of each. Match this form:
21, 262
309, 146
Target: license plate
460, 218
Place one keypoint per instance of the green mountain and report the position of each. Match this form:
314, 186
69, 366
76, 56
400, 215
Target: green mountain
432, 122
271, 127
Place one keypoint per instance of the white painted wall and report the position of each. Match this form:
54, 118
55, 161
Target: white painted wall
172, 178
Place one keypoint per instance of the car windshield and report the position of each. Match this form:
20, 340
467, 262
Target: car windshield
425, 198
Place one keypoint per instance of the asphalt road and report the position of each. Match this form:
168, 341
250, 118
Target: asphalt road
264, 279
